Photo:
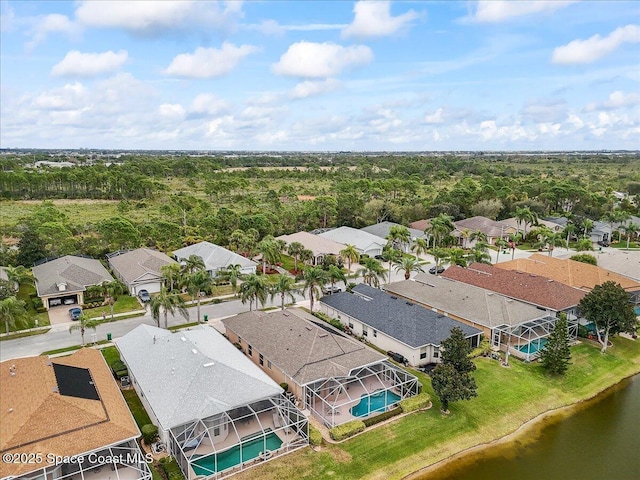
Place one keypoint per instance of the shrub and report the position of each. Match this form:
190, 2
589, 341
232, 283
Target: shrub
382, 417
415, 403
171, 469
583, 331
334, 322
149, 433
315, 437
585, 258
37, 303
285, 386
119, 369
347, 430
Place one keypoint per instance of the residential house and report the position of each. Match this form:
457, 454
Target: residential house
383, 229
65, 418
512, 325
394, 324
491, 228
622, 262
366, 243
320, 246
334, 376
421, 225
64, 280
513, 223
216, 412
601, 231
541, 292
216, 258
575, 274
139, 269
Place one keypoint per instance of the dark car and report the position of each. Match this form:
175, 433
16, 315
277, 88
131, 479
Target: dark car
432, 270
144, 296
329, 290
75, 313
397, 357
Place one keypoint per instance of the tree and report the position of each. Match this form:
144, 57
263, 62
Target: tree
392, 256
231, 274
456, 350
456, 256
31, 248
197, 282
119, 233
171, 273
420, 246
408, 265
372, 271
441, 227
500, 243
19, 275
350, 254
584, 244
13, 313
285, 287
514, 239
7, 289
270, 251
399, 236
607, 305
335, 274
525, 216
254, 288
167, 302
112, 290
555, 355
83, 324
553, 240
295, 249
193, 263
480, 253
450, 385
629, 230
585, 258
314, 278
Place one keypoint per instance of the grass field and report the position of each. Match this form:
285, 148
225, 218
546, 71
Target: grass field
123, 304
507, 398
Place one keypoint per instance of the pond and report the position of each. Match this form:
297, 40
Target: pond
597, 440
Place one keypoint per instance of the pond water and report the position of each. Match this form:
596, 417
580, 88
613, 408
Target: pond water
599, 440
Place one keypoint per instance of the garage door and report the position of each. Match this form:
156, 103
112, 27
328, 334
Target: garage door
66, 300
149, 287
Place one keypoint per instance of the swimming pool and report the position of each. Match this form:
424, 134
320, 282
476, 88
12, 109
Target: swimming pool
375, 402
637, 310
534, 346
251, 448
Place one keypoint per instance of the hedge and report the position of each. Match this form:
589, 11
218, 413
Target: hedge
347, 430
315, 437
171, 469
149, 433
334, 322
382, 417
119, 369
415, 403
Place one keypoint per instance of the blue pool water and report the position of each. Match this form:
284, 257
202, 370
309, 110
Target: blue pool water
251, 448
375, 402
637, 309
534, 346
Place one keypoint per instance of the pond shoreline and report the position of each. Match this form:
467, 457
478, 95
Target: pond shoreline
527, 426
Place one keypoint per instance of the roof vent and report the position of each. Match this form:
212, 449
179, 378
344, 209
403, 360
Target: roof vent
410, 304
184, 339
286, 314
309, 328
394, 297
55, 390
322, 335
431, 285
194, 351
210, 364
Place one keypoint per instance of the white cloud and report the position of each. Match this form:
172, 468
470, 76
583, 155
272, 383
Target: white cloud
173, 111
7, 17
545, 110
272, 27
596, 47
616, 100
320, 60
494, 11
310, 88
435, 117
80, 64
53, 23
65, 98
209, 62
154, 17
207, 104
373, 19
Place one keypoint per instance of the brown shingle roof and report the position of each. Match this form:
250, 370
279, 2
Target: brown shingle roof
530, 288
575, 274
37, 419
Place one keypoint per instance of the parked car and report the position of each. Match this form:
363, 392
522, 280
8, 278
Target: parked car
397, 357
75, 313
328, 290
144, 296
54, 302
432, 270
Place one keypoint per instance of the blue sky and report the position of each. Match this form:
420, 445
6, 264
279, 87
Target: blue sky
334, 75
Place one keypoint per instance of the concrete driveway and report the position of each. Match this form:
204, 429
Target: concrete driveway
60, 315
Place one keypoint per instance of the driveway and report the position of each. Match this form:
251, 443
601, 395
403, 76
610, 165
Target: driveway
60, 315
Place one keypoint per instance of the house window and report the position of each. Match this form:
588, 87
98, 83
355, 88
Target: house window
423, 353
436, 353
269, 364
351, 325
365, 333
216, 431
250, 351
375, 333
261, 360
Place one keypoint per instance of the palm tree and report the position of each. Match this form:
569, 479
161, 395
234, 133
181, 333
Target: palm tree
335, 274
480, 253
408, 265
19, 275
500, 243
112, 290
254, 288
391, 255
314, 278
587, 226
554, 240
420, 246
629, 230
621, 216
197, 282
350, 254
438, 254
441, 227
167, 302
569, 230
270, 251
285, 286
526, 216
372, 271
465, 234
84, 323
306, 256
456, 256
171, 273
514, 239
193, 263
231, 274
13, 313
399, 235
584, 244
295, 249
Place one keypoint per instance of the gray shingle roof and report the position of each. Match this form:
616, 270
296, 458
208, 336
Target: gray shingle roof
407, 322
358, 238
76, 272
134, 264
214, 256
293, 341
191, 374
382, 230
316, 243
473, 304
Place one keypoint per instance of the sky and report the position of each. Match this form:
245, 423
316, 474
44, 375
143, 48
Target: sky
320, 76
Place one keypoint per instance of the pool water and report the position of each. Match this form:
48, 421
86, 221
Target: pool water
251, 448
375, 402
637, 310
534, 346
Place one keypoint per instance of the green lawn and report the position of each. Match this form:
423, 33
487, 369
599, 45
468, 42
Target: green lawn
507, 397
124, 304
